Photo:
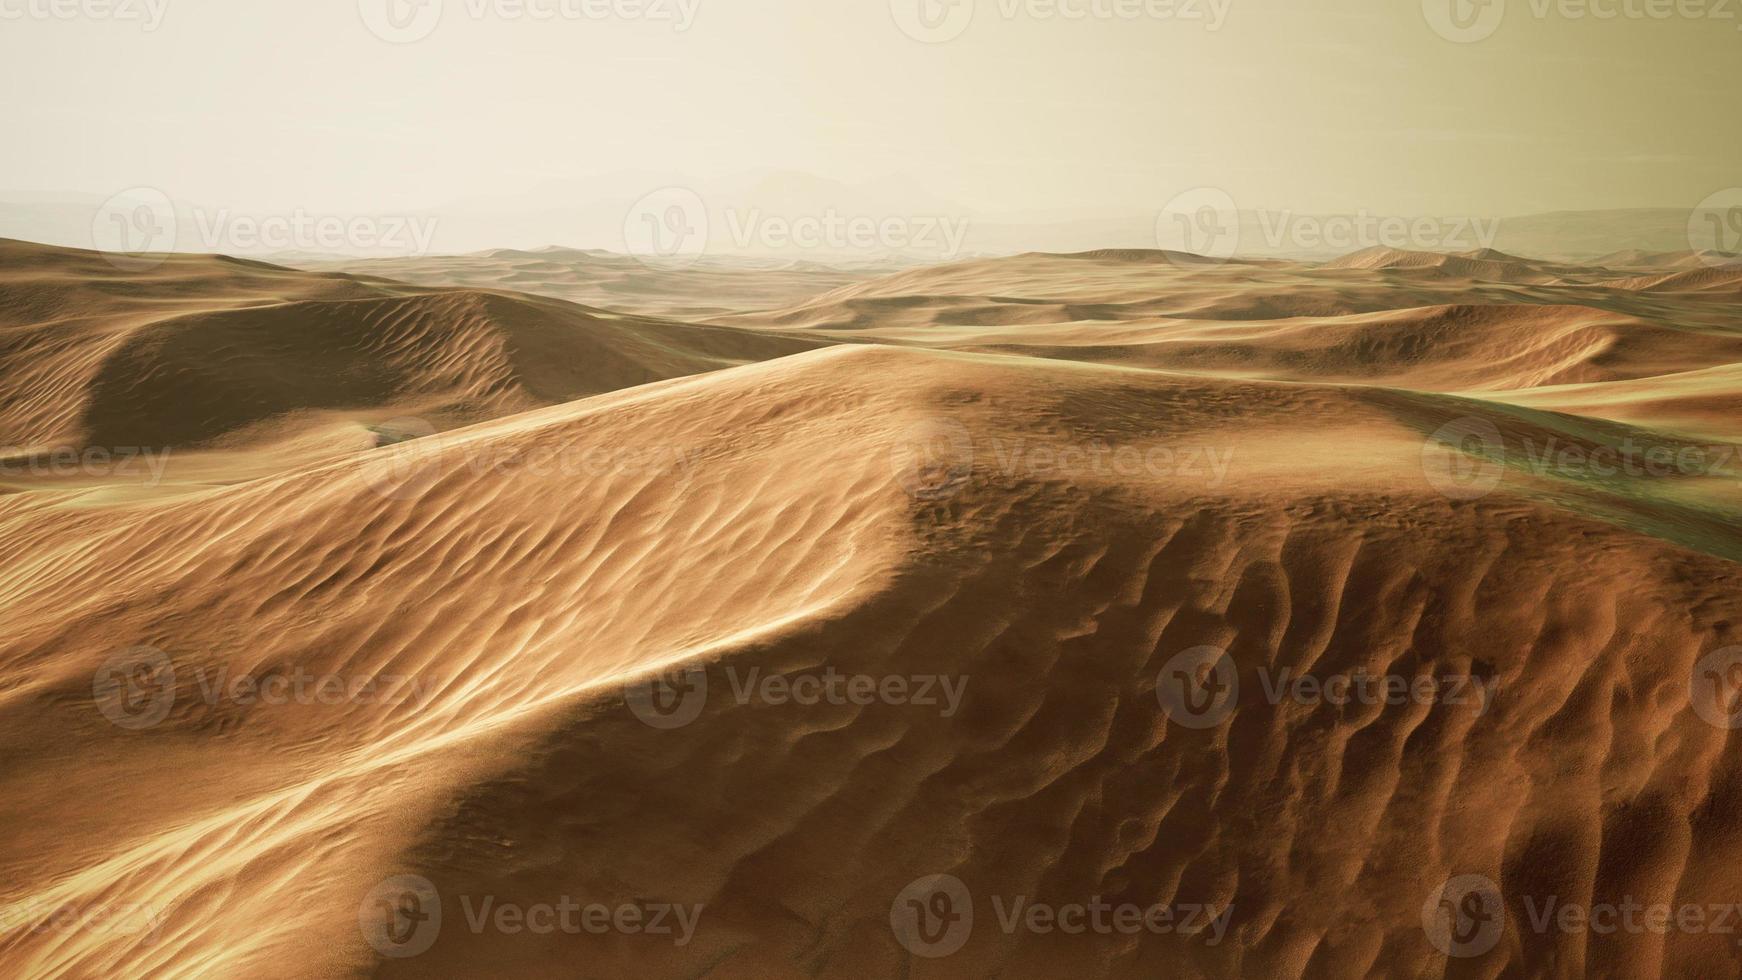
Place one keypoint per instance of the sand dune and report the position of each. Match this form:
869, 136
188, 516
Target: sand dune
705, 286
212, 353
1482, 322
1483, 264
1640, 259
1030, 485
1728, 279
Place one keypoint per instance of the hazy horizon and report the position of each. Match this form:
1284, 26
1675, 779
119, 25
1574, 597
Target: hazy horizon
520, 123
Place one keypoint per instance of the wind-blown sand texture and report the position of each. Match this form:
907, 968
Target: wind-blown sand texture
1036, 481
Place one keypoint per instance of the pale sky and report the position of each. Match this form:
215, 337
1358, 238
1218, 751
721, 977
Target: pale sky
1328, 105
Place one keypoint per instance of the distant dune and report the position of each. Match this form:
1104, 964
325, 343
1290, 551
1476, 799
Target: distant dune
1032, 484
705, 287
214, 353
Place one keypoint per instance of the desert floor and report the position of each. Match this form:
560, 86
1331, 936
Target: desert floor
549, 614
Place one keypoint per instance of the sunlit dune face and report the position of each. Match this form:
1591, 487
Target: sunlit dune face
903, 489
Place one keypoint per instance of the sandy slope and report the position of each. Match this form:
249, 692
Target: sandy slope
1108, 470
209, 354
702, 286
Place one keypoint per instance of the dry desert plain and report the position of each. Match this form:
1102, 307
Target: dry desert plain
1117, 614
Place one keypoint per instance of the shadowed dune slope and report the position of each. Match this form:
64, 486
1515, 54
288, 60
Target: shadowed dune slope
201, 347
799, 516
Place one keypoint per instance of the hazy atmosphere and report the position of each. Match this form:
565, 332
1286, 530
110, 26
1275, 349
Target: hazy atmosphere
870, 489
1019, 116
